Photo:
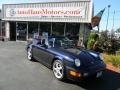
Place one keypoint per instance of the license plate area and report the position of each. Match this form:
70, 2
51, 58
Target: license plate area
99, 74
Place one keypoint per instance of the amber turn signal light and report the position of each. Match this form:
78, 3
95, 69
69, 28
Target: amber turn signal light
76, 74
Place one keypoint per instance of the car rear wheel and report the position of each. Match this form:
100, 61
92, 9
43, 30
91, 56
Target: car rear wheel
58, 70
29, 54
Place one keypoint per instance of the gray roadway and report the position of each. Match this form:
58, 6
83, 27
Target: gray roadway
17, 73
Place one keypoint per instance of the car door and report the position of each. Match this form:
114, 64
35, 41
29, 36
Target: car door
43, 54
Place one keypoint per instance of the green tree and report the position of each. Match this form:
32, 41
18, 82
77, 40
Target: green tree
91, 40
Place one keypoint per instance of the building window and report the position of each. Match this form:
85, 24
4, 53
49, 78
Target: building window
58, 29
32, 29
72, 30
45, 27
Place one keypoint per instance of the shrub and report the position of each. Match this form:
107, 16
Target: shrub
114, 59
103, 43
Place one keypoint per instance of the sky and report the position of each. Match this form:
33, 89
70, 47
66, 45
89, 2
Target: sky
98, 5
101, 4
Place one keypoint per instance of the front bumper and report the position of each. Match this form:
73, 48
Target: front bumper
96, 72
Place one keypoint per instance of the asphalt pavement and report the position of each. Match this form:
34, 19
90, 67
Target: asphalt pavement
18, 73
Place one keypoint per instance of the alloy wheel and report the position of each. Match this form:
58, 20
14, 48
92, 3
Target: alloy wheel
29, 54
58, 70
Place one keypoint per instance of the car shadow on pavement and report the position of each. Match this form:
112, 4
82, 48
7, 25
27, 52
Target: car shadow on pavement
109, 81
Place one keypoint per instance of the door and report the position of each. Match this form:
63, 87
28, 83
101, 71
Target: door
13, 31
21, 31
43, 55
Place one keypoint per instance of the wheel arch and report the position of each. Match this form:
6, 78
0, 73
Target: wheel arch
56, 58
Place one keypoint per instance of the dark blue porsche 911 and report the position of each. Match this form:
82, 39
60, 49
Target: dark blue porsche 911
66, 61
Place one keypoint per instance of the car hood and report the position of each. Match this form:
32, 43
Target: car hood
64, 53
76, 53
89, 59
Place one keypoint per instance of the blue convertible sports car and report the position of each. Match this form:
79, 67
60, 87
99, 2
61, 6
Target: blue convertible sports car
66, 61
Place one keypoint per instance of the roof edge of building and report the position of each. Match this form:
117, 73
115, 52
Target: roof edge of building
54, 1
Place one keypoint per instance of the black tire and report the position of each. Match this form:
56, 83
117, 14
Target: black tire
58, 70
29, 54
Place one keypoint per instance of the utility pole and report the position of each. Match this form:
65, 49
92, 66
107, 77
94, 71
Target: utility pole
113, 20
112, 30
108, 17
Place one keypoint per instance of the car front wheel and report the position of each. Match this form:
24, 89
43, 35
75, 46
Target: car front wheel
58, 70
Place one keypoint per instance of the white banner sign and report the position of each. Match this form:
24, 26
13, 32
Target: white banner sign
52, 12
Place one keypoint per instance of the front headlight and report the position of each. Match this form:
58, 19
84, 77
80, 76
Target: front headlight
77, 62
101, 57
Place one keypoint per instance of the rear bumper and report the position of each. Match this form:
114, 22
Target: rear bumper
84, 74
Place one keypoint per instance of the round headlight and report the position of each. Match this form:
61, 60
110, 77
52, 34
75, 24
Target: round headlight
101, 57
77, 62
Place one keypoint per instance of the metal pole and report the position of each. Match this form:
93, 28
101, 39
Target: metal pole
51, 29
27, 32
79, 34
98, 28
113, 20
112, 30
64, 29
39, 28
1, 29
16, 30
108, 16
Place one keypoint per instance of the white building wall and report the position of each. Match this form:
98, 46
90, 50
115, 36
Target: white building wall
86, 4
7, 30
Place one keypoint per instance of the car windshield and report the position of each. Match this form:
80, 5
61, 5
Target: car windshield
61, 42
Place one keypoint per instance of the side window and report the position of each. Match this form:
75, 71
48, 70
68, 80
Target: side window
58, 43
39, 42
43, 42
51, 42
